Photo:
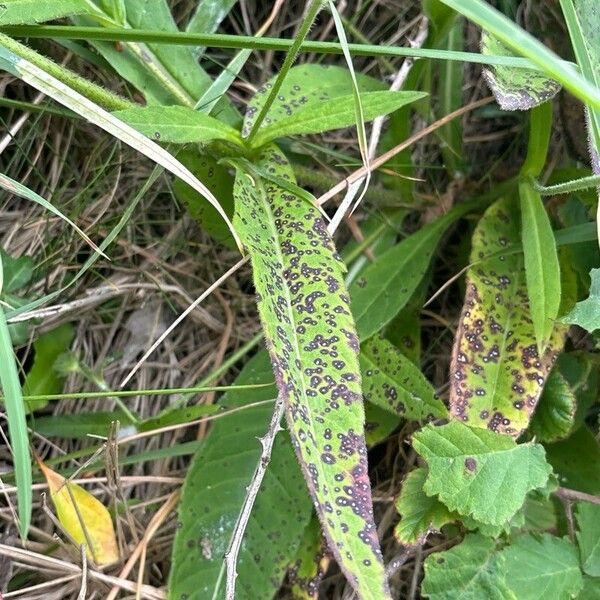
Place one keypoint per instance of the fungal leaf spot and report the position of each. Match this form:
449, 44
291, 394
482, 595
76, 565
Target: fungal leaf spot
496, 373
312, 342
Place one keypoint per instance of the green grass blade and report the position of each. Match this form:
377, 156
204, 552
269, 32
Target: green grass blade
17, 425
17, 12
524, 44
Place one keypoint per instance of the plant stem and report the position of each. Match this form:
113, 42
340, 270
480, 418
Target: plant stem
568, 186
540, 128
313, 10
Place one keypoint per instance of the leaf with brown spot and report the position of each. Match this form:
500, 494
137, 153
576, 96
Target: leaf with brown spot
312, 341
496, 373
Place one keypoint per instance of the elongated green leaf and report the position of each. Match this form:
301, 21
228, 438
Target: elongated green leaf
420, 514
515, 89
542, 271
555, 414
393, 382
209, 15
16, 272
17, 426
588, 537
42, 378
177, 124
542, 567
79, 425
333, 113
466, 572
18, 12
586, 313
480, 473
385, 286
306, 318
496, 373
213, 495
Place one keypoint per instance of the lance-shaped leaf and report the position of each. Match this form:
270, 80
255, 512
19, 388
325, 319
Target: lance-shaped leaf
304, 309
84, 517
586, 313
496, 373
479, 473
514, 88
588, 537
394, 383
19, 12
420, 514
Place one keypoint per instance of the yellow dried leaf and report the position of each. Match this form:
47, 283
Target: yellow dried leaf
84, 517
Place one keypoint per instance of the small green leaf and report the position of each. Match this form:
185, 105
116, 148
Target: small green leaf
334, 113
497, 373
19, 12
555, 414
538, 568
17, 272
177, 124
385, 286
78, 425
393, 382
514, 88
480, 473
586, 313
588, 537
542, 270
420, 514
468, 571
42, 378
379, 424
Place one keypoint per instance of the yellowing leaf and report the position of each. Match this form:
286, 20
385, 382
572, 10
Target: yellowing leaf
84, 517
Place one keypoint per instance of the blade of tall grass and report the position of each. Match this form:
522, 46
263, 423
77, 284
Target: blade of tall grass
17, 425
523, 43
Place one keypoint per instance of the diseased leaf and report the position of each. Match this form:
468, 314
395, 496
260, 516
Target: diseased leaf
19, 12
311, 563
379, 424
542, 272
309, 329
385, 286
538, 568
586, 313
468, 571
177, 124
393, 382
17, 272
555, 414
588, 537
496, 373
420, 514
332, 113
42, 379
84, 517
514, 88
214, 492
480, 473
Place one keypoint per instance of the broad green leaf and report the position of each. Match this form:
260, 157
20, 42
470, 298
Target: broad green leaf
219, 181
393, 382
42, 378
420, 514
19, 12
332, 113
78, 425
386, 285
177, 124
496, 373
588, 537
539, 512
17, 272
17, 425
537, 568
305, 86
84, 518
576, 461
211, 502
555, 414
468, 571
480, 473
310, 334
514, 88
307, 570
586, 313
542, 271
591, 589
